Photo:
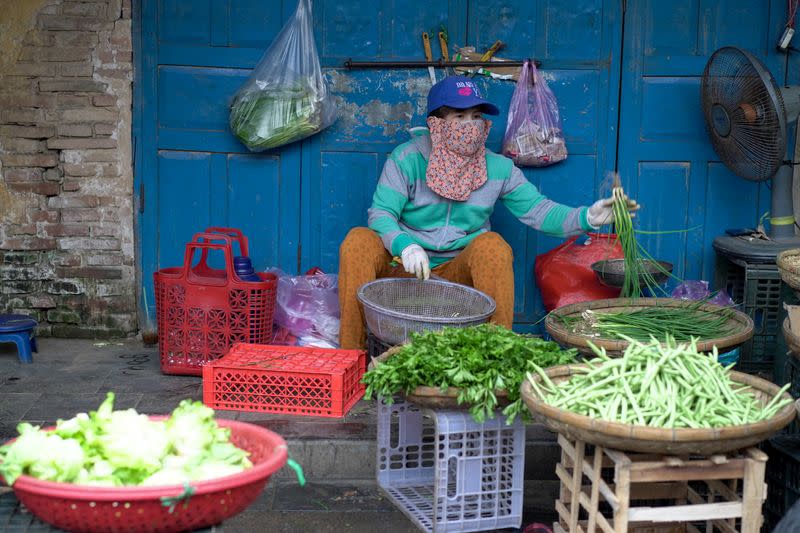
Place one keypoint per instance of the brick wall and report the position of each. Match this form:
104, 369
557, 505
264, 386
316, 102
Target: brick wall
66, 181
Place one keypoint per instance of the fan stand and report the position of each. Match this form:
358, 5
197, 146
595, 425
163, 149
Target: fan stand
781, 234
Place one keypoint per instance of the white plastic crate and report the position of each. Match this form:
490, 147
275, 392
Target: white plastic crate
446, 472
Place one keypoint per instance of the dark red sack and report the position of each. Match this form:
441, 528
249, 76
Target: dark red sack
564, 274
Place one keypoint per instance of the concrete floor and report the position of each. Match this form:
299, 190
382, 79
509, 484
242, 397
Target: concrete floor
338, 455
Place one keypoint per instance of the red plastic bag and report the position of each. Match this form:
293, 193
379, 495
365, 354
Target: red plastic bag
565, 276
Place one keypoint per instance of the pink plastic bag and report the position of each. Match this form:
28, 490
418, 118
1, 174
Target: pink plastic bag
534, 137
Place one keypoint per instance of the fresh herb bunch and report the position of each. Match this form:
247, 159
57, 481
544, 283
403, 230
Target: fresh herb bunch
680, 323
665, 385
478, 360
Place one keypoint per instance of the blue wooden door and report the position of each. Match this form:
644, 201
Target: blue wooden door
665, 158
296, 203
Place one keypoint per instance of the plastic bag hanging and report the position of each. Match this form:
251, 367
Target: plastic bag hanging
534, 137
285, 99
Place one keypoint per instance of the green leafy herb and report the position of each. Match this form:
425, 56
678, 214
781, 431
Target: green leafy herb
478, 360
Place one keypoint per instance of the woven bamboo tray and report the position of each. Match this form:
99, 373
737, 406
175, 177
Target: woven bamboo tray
792, 340
433, 397
614, 347
646, 439
788, 263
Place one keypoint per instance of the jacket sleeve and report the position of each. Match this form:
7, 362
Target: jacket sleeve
533, 209
391, 196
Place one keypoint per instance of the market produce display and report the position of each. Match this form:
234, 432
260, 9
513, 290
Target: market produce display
659, 384
125, 448
681, 323
478, 360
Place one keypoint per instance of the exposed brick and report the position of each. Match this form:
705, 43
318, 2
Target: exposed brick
28, 132
59, 258
35, 69
75, 130
66, 230
117, 74
59, 315
71, 185
75, 38
28, 243
91, 169
105, 259
29, 273
64, 287
92, 9
22, 146
52, 9
39, 38
71, 101
73, 143
91, 156
21, 229
75, 69
81, 86
80, 215
45, 188
73, 201
114, 9
54, 53
103, 128
104, 100
106, 229
20, 258
40, 215
26, 100
23, 175
53, 174
17, 287
98, 114
60, 22
41, 301
84, 243
30, 160
24, 115
89, 272
121, 36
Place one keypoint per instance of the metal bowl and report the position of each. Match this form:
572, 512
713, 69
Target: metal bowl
611, 272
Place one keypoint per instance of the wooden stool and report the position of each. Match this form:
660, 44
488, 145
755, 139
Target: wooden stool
607, 506
21, 330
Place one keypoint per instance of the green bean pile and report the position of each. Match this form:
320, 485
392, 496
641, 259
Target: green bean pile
638, 263
667, 385
682, 323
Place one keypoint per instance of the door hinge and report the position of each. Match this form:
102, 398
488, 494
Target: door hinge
141, 198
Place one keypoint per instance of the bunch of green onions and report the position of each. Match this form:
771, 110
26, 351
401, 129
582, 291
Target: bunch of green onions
683, 323
639, 264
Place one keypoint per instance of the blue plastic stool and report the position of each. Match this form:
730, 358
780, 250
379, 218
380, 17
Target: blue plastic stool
21, 330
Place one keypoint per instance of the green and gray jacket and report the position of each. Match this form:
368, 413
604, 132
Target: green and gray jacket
405, 211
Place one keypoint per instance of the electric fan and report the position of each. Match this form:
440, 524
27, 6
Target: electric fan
747, 115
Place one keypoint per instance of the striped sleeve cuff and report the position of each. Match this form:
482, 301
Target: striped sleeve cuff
584, 218
401, 242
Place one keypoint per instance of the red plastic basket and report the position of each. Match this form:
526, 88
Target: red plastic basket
298, 380
127, 509
202, 311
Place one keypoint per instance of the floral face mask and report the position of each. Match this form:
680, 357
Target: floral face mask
457, 165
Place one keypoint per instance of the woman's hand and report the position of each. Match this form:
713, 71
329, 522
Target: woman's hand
602, 211
415, 261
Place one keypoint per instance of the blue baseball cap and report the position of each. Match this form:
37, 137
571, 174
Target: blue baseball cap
458, 92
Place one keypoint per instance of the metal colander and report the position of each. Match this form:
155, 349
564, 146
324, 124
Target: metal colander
396, 307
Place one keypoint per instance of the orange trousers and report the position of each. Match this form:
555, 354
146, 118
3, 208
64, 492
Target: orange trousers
485, 264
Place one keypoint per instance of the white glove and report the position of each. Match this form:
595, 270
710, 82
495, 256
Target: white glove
415, 261
602, 212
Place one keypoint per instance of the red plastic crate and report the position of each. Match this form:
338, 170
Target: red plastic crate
298, 380
202, 311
